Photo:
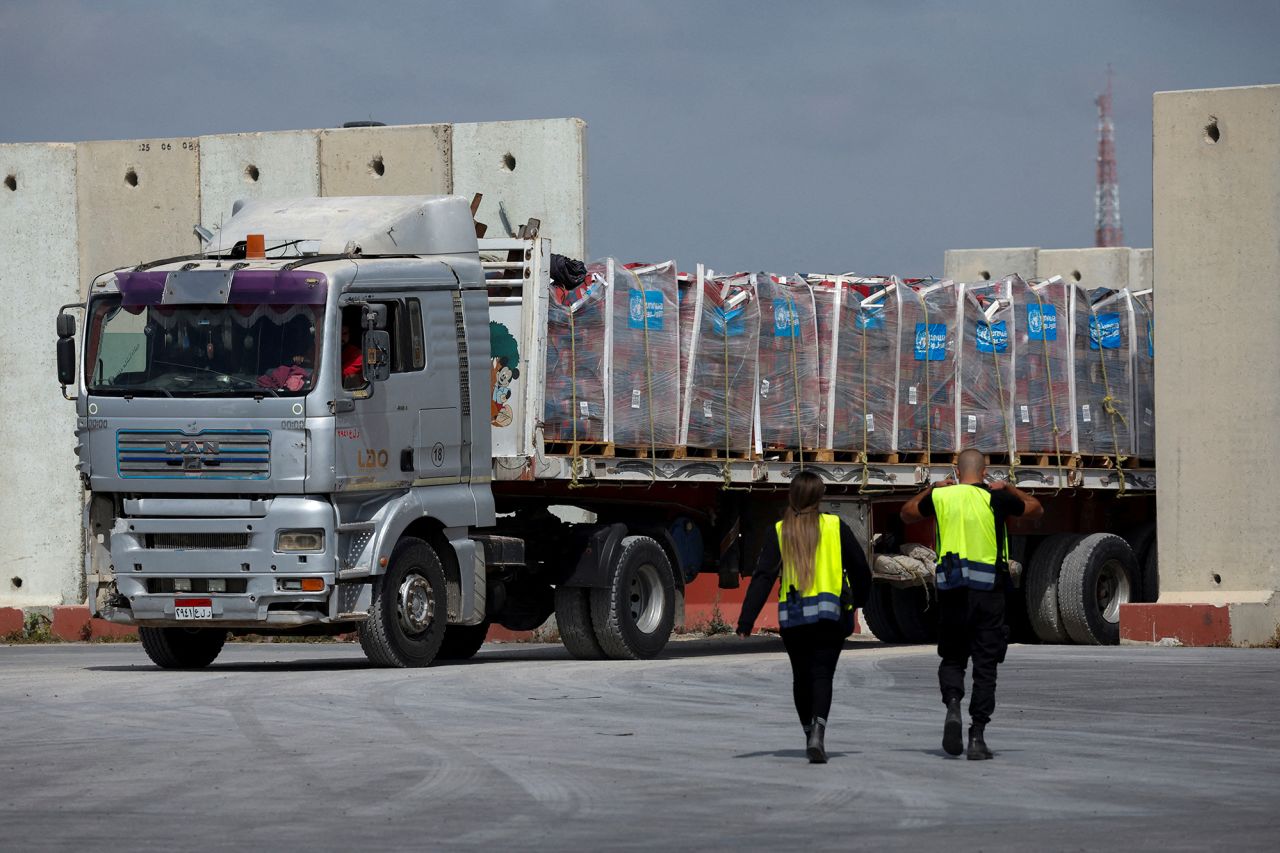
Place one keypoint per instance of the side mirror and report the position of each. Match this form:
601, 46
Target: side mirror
66, 349
377, 356
375, 317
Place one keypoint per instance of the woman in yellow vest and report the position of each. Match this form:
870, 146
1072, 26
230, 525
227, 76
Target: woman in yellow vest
815, 554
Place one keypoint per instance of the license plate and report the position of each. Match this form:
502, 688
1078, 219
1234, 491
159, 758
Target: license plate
193, 608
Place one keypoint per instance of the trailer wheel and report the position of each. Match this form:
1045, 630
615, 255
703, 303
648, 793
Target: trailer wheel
1151, 575
573, 619
461, 642
407, 621
633, 616
182, 648
1041, 585
878, 611
1142, 539
1097, 577
915, 614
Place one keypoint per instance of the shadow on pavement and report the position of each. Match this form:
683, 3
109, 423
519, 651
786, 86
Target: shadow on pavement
789, 753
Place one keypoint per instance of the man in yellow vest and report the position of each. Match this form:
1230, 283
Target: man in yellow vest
972, 574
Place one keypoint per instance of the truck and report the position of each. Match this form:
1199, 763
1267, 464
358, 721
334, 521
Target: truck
329, 421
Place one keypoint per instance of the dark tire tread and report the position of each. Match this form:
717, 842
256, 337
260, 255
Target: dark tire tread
573, 620
1076, 600
378, 632
878, 613
1041, 586
620, 641
178, 648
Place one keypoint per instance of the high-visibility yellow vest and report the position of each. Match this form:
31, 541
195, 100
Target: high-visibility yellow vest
968, 554
821, 598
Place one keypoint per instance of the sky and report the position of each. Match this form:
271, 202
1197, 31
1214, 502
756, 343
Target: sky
788, 136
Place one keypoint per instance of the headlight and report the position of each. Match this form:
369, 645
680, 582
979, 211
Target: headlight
300, 541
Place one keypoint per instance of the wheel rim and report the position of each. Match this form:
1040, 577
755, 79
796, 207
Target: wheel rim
645, 598
414, 604
1112, 590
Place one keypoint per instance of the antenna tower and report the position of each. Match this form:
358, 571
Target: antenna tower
1107, 229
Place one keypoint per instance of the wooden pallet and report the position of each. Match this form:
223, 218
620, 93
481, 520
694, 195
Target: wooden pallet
578, 448
921, 458
793, 455
715, 453
1093, 460
656, 451
851, 457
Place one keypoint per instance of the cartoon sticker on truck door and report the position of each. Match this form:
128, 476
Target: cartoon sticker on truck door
503, 371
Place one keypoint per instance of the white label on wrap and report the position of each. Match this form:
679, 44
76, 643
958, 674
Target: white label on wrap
1026, 414
1084, 413
635, 398
1147, 416
764, 387
911, 395
973, 423
584, 408
871, 423
706, 409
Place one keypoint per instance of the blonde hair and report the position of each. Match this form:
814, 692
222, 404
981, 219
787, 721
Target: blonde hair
800, 526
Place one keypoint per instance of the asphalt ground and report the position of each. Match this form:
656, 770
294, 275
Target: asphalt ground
305, 747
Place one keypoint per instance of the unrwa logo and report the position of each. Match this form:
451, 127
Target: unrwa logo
922, 339
637, 306
1035, 321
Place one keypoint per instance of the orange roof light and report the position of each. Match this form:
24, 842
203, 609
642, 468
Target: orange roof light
255, 246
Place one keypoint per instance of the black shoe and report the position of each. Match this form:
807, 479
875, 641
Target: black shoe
952, 729
977, 746
816, 751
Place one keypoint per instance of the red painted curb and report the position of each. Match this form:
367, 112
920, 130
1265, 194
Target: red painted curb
11, 620
1189, 624
73, 623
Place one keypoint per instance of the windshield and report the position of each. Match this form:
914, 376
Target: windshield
201, 350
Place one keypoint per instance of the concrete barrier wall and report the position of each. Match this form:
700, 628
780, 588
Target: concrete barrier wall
78, 210
526, 169
40, 493
1216, 181
1142, 270
971, 265
1089, 268
254, 166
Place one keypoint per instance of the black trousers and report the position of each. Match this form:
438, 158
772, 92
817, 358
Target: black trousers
971, 626
814, 650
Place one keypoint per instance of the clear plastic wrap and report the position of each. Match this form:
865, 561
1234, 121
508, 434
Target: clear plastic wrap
824, 307
645, 355
685, 283
788, 354
1104, 338
1042, 352
575, 376
721, 406
985, 365
1144, 403
865, 368
927, 368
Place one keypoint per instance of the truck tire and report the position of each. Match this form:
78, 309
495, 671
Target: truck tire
633, 616
1097, 577
573, 619
1151, 575
1142, 539
407, 619
182, 648
461, 642
878, 612
1041, 586
915, 614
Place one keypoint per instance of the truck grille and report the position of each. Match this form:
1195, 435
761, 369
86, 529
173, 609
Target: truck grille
209, 455
197, 541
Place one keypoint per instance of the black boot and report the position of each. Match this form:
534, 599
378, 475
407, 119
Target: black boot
977, 746
952, 729
816, 751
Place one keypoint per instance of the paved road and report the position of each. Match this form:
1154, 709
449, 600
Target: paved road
287, 746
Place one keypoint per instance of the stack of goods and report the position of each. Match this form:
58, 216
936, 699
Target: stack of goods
1144, 404
865, 367
927, 368
788, 358
720, 409
984, 365
1042, 344
1104, 371
575, 377
645, 355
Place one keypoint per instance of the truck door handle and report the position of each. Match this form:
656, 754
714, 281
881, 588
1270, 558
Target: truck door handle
339, 406
406, 459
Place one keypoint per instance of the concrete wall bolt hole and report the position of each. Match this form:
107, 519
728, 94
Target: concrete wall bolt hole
251, 173
131, 177
376, 166
1211, 132
1076, 275
16, 581
509, 161
11, 183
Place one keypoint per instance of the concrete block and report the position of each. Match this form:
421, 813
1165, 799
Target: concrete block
254, 166
1142, 270
138, 201
989, 264
1183, 624
526, 169
12, 621
404, 160
1216, 203
1089, 268
73, 623
39, 271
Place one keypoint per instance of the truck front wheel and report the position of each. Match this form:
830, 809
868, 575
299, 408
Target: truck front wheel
461, 642
1097, 577
409, 613
633, 616
182, 648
